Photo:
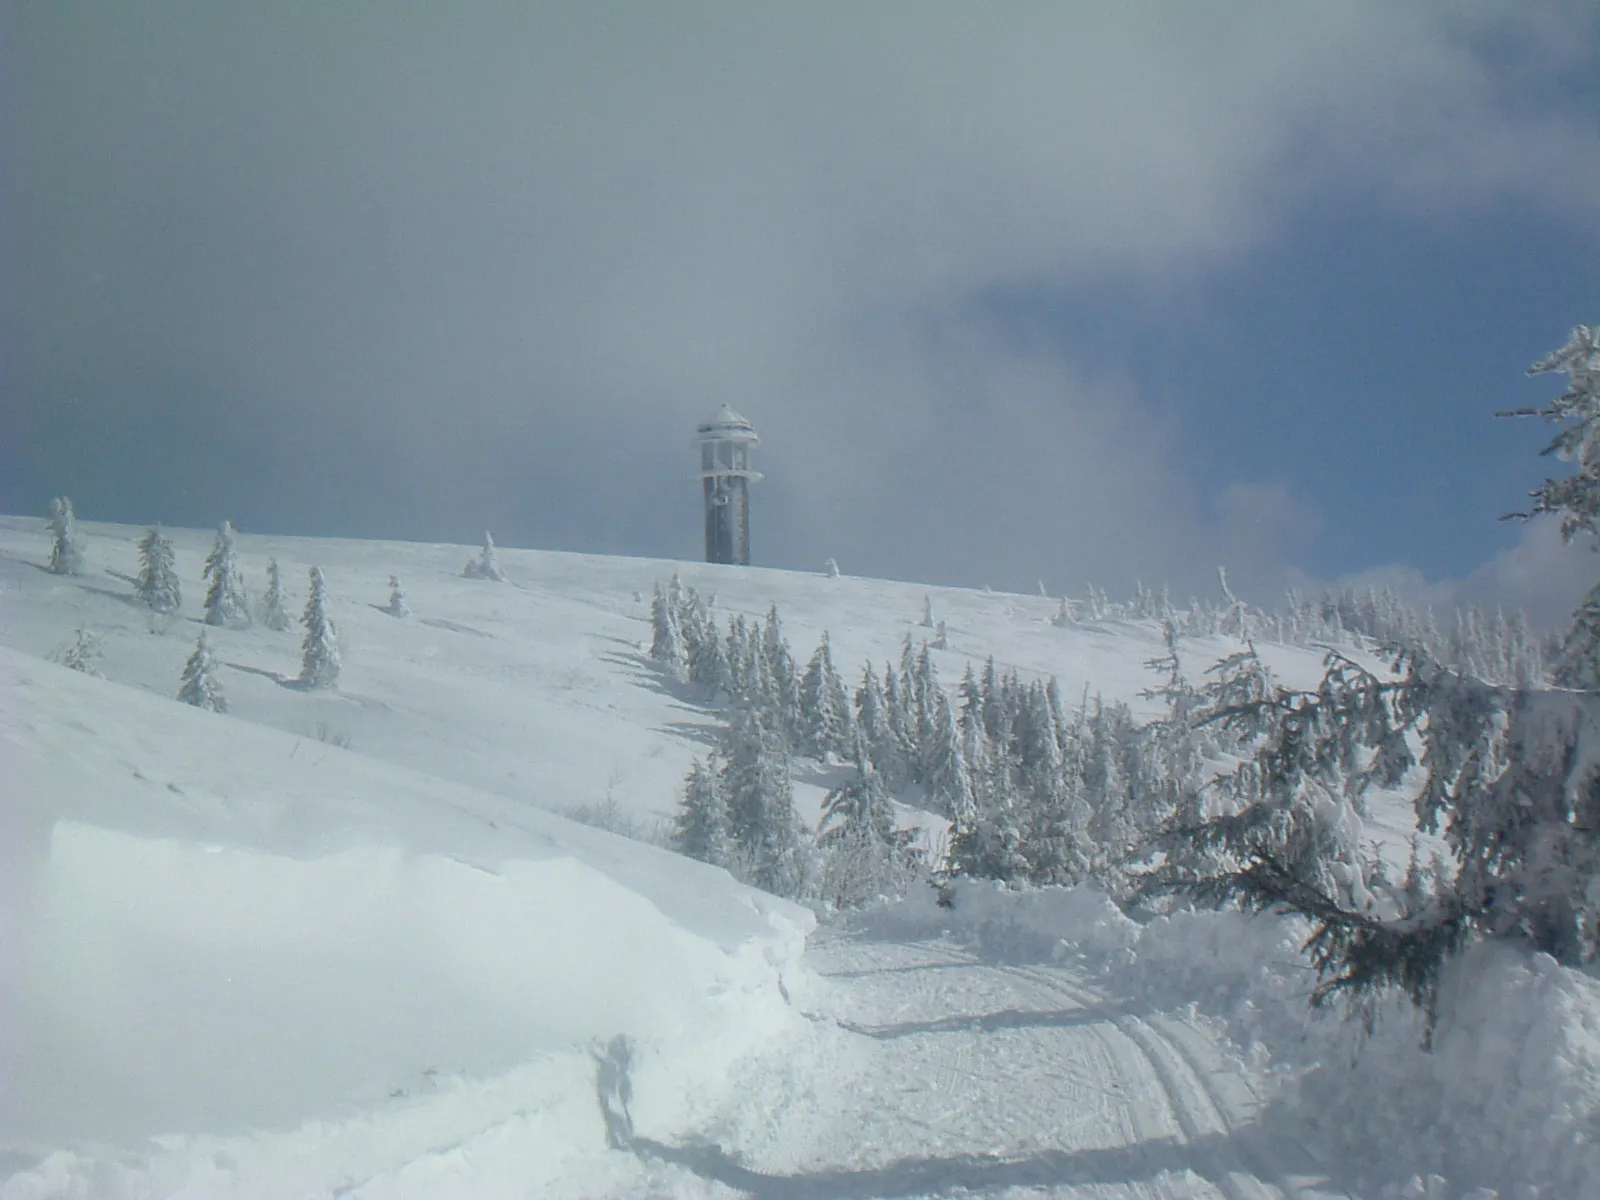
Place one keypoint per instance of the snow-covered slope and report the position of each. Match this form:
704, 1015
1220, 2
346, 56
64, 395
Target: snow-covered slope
344, 943
537, 689
216, 925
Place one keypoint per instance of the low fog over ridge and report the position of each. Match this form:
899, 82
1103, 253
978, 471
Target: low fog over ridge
406, 273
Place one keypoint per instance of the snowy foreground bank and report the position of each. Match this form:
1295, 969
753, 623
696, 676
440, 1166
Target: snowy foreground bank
341, 943
212, 926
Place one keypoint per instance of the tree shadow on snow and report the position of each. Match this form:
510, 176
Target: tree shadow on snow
277, 677
1010, 1018
978, 1173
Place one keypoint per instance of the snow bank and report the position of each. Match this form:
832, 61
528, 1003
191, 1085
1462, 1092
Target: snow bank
208, 926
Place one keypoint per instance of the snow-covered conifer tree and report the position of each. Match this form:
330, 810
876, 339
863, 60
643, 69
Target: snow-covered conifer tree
225, 598
947, 782
701, 830
66, 548
319, 663
785, 679
157, 585
927, 612
81, 654
666, 645
397, 599
865, 854
274, 611
199, 686
1576, 498
487, 564
822, 720
760, 799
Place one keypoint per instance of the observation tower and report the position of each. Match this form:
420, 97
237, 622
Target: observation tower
725, 477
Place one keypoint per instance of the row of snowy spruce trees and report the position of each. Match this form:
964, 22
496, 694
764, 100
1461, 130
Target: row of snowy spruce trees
227, 603
1033, 793
1245, 792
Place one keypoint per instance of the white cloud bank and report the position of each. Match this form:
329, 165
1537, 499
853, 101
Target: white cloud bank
503, 259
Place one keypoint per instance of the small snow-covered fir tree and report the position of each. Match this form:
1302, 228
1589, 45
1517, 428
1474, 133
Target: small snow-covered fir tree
397, 599
666, 641
824, 715
274, 610
927, 612
319, 663
199, 686
66, 548
225, 598
157, 585
80, 654
701, 829
703, 645
865, 853
487, 564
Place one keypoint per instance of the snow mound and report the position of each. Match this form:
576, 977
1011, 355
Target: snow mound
208, 926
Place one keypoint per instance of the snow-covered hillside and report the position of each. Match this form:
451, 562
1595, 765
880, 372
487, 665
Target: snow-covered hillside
344, 943
538, 689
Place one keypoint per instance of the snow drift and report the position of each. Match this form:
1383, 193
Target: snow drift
209, 925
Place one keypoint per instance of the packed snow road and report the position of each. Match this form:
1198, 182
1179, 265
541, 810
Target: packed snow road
933, 1073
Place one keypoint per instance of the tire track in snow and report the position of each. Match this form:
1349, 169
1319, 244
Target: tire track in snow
1200, 1120
1196, 1102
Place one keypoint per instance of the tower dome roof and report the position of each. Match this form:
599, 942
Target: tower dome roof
725, 425
724, 418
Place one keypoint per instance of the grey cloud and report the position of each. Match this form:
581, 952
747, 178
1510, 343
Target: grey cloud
404, 270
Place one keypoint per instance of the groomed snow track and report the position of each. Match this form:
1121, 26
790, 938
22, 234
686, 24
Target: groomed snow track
936, 1073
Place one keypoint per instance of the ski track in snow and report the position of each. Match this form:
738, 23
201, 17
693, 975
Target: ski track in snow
934, 1073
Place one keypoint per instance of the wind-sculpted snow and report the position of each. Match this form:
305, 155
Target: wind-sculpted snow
216, 926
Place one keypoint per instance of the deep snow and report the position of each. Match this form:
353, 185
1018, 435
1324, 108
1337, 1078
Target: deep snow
237, 958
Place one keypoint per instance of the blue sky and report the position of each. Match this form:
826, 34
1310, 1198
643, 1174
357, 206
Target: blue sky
1016, 293
1358, 360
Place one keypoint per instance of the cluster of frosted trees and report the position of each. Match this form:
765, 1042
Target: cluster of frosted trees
738, 803
1491, 645
227, 604
1033, 793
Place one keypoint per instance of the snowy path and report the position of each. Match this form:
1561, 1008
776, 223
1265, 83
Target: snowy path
935, 1073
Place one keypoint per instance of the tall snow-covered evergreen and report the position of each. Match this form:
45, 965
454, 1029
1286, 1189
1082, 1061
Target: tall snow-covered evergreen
225, 598
487, 564
199, 686
157, 585
701, 830
825, 717
319, 662
66, 547
274, 611
760, 799
864, 851
784, 680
